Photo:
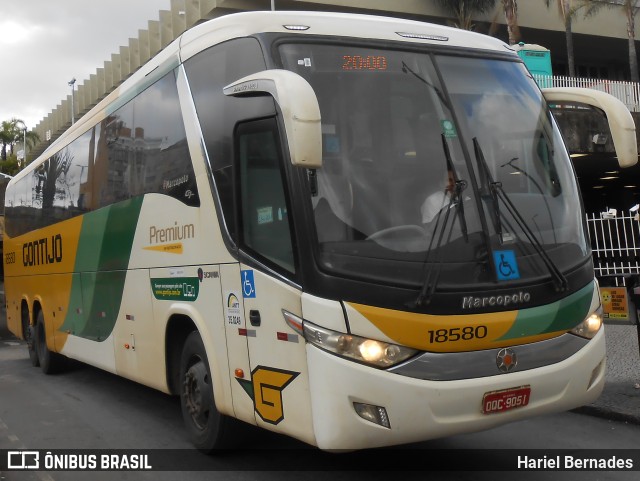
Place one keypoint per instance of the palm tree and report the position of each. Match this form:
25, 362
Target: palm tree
511, 17
463, 10
631, 8
12, 132
568, 10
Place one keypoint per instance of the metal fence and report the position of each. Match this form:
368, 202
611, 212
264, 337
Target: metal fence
615, 242
627, 92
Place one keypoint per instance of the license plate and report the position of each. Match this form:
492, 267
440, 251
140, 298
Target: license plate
500, 401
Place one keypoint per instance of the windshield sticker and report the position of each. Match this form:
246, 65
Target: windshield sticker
506, 265
448, 129
331, 144
265, 215
248, 285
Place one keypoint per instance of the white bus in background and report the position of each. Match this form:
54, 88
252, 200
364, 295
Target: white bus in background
356, 231
4, 181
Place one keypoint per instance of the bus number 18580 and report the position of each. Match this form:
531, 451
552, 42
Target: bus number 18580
454, 334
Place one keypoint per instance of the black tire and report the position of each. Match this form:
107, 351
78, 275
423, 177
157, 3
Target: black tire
29, 334
208, 429
50, 362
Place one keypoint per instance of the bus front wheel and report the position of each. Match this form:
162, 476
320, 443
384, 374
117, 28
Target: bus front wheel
208, 429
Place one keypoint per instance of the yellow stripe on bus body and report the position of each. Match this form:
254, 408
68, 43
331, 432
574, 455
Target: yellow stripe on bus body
449, 333
41, 268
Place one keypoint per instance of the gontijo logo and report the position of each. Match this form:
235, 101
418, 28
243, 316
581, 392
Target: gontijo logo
42, 251
265, 388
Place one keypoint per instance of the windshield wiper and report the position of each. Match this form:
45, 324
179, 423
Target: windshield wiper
488, 187
460, 185
429, 285
407, 69
497, 192
455, 199
536, 184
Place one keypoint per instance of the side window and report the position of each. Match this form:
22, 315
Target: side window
162, 160
145, 149
209, 72
263, 207
140, 148
53, 191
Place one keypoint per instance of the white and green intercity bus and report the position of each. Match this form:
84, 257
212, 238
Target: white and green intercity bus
357, 231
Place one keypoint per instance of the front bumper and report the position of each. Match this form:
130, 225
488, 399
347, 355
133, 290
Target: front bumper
419, 409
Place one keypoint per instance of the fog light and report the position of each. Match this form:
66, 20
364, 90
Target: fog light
596, 374
373, 414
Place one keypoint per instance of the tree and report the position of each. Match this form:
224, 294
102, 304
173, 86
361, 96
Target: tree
54, 175
568, 10
12, 132
10, 166
511, 17
631, 8
463, 10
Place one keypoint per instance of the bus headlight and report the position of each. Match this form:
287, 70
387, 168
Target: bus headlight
368, 351
590, 326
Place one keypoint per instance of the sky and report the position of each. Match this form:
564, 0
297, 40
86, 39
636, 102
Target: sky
46, 43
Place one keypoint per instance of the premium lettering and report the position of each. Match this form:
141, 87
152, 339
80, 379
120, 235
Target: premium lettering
42, 251
471, 302
171, 234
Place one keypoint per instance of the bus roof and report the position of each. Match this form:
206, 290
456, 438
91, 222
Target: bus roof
333, 24
245, 24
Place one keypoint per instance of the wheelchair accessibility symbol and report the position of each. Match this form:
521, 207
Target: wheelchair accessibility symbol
506, 265
248, 284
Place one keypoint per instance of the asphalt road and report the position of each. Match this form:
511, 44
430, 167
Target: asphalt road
86, 408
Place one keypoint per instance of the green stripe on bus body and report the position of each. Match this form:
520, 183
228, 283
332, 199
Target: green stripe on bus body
102, 258
562, 315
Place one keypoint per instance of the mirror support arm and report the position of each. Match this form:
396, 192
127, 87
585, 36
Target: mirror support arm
299, 107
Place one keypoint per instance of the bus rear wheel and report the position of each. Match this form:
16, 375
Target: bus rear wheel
50, 362
29, 334
208, 429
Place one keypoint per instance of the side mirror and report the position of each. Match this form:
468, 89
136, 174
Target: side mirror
623, 129
299, 106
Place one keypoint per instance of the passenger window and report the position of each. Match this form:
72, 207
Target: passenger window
264, 215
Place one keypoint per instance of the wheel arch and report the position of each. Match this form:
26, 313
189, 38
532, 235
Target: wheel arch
26, 319
179, 325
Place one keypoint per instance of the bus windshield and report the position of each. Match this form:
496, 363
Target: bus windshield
437, 160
